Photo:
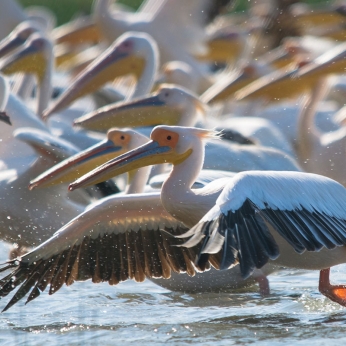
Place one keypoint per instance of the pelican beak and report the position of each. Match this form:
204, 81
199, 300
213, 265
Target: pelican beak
78, 33
148, 154
111, 64
9, 44
224, 48
235, 83
28, 59
330, 62
148, 111
78, 165
5, 118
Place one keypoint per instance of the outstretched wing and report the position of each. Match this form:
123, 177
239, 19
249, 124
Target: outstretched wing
307, 210
116, 239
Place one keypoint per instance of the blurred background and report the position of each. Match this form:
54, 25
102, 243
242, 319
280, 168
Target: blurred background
67, 9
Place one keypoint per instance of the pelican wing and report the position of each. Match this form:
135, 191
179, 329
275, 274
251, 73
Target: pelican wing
115, 239
205, 177
46, 144
307, 210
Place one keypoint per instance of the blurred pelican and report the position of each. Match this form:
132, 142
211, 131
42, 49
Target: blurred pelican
177, 26
28, 218
288, 83
34, 57
173, 105
132, 53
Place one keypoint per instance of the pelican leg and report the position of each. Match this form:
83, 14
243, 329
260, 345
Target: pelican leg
336, 293
263, 283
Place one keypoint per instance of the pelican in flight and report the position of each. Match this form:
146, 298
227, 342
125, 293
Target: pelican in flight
297, 219
120, 238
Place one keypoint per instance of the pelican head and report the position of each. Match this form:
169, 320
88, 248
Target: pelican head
17, 37
30, 58
165, 106
168, 144
117, 143
127, 55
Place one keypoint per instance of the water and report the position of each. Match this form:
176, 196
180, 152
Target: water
89, 314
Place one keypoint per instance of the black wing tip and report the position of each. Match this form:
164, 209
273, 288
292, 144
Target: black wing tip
247, 240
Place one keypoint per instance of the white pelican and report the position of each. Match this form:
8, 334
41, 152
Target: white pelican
291, 82
35, 57
176, 25
117, 142
132, 53
173, 105
305, 213
120, 238
20, 116
17, 37
28, 217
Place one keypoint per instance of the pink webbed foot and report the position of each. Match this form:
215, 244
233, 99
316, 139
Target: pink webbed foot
336, 293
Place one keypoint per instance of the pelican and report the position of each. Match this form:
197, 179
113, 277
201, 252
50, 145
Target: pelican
297, 219
20, 116
79, 31
17, 37
34, 57
290, 82
225, 45
117, 142
132, 53
173, 105
29, 217
176, 38
135, 227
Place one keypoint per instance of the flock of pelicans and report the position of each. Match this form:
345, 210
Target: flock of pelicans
243, 174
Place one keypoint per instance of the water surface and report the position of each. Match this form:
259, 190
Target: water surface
90, 314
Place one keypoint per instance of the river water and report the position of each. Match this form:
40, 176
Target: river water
130, 313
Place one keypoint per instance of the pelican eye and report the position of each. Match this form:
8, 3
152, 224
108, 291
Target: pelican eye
169, 137
122, 137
